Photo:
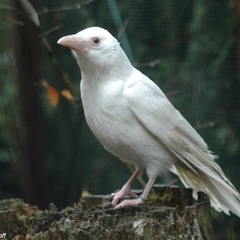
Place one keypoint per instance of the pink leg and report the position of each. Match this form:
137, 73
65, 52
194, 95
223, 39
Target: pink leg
126, 190
140, 200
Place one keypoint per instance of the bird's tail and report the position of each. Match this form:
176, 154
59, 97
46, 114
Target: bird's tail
223, 195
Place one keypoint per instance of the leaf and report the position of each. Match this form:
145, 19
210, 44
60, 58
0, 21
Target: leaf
67, 94
53, 95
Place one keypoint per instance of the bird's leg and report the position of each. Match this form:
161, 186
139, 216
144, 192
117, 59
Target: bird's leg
140, 200
126, 189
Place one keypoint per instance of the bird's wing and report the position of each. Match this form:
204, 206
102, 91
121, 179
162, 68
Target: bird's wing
196, 166
155, 112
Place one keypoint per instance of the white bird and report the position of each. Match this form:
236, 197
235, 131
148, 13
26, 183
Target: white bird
134, 120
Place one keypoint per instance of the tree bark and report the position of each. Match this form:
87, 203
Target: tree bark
238, 37
25, 45
171, 213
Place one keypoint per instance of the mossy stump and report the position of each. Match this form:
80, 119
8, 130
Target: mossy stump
171, 213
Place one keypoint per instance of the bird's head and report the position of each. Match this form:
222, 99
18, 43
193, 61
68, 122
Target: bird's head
94, 48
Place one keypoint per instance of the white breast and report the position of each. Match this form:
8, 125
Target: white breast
112, 122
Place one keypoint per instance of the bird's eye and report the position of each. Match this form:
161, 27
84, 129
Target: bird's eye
96, 40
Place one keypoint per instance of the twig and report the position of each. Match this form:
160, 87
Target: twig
11, 20
62, 8
12, 9
64, 75
122, 29
32, 15
205, 125
87, 2
69, 7
44, 34
149, 64
118, 22
7, 7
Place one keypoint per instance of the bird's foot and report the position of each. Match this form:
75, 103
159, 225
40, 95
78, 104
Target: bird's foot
132, 202
121, 194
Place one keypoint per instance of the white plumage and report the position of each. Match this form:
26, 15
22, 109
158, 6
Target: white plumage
134, 120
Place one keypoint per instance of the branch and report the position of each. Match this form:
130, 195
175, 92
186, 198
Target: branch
69, 7
33, 16
152, 63
12, 20
61, 8
6, 7
44, 34
123, 28
58, 66
205, 125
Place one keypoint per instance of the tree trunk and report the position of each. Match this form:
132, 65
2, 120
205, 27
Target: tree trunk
238, 38
170, 213
25, 45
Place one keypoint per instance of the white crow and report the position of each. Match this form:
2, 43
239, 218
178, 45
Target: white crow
134, 120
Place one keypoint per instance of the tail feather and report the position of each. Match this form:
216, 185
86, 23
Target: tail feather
198, 170
224, 197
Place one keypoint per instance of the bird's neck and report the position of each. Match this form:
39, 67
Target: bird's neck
119, 67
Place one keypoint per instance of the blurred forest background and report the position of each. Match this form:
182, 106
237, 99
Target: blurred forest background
191, 49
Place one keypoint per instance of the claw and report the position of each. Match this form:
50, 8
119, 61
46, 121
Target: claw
127, 203
126, 190
121, 194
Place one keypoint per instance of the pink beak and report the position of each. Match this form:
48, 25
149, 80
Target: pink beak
73, 42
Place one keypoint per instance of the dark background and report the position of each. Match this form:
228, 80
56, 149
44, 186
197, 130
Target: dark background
48, 154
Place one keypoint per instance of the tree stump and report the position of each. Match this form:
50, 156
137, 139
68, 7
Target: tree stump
171, 213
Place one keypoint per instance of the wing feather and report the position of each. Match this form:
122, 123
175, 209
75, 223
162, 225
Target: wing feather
196, 165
